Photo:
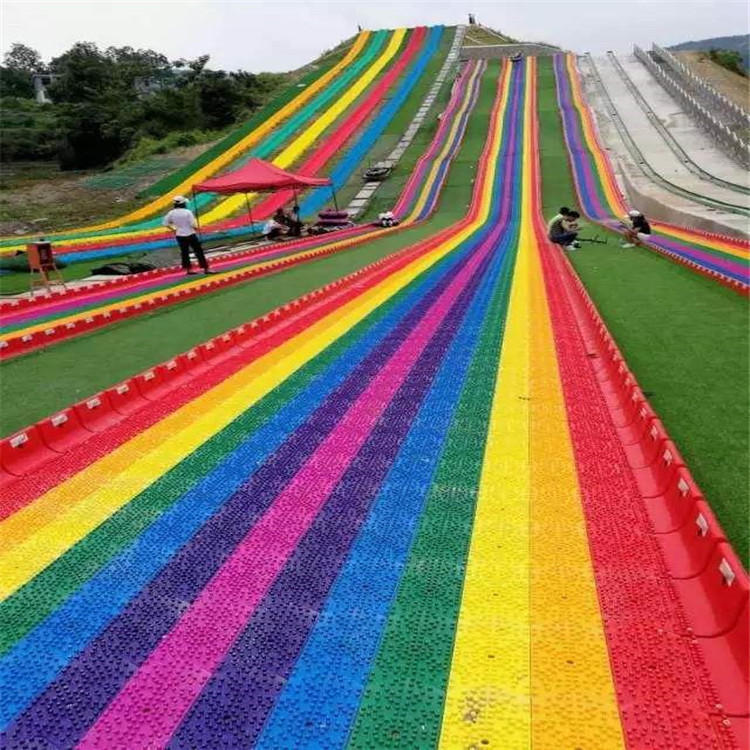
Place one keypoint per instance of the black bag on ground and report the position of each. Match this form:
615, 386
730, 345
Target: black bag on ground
122, 269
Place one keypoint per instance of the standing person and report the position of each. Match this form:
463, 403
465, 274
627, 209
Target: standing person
637, 228
181, 220
563, 229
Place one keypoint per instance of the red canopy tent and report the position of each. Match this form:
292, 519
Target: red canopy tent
258, 176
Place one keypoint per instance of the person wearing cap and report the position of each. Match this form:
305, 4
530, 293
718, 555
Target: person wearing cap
637, 228
181, 220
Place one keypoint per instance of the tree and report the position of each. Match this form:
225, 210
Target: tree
219, 98
96, 106
17, 71
105, 101
23, 58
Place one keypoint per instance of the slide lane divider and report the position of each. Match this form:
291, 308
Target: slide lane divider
21, 307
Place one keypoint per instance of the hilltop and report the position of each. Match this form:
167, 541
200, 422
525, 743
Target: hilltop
739, 43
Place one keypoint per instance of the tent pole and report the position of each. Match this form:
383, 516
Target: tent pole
195, 206
250, 212
335, 200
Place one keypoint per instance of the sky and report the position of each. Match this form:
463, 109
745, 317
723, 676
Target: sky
282, 35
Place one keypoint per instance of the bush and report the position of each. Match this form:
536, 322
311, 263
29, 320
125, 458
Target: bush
729, 59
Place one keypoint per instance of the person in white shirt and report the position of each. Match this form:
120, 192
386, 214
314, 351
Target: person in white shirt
272, 229
183, 223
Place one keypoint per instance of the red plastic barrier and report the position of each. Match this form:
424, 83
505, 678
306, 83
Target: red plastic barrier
670, 511
218, 348
23, 452
150, 384
63, 430
655, 479
713, 601
688, 549
727, 659
647, 450
97, 413
125, 397
173, 372
193, 362
638, 414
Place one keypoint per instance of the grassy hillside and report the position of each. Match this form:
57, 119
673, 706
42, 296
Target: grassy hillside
739, 43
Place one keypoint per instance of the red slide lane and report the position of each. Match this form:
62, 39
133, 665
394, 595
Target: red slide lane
676, 703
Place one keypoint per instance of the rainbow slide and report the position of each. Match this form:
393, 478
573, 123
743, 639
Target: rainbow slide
410, 511
724, 257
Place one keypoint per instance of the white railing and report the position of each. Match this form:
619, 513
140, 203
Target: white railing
704, 90
730, 141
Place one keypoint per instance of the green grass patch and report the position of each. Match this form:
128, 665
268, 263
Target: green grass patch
684, 336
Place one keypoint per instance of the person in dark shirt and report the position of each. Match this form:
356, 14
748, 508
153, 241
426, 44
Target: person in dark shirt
636, 229
563, 229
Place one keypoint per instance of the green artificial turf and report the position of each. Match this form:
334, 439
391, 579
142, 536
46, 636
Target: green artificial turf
684, 336
71, 370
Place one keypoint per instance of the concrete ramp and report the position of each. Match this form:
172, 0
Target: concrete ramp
650, 168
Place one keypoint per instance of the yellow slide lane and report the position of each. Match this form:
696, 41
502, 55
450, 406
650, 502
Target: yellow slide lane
488, 694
